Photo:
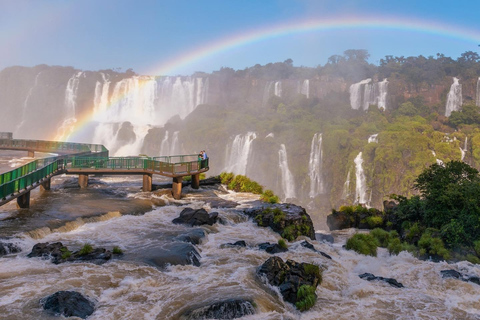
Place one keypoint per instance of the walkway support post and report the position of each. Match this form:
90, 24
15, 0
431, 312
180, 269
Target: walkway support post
83, 180
196, 181
45, 185
147, 183
177, 188
24, 200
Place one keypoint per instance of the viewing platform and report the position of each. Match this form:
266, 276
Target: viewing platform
88, 159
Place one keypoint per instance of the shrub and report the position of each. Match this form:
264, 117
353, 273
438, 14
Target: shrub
65, 253
282, 244
226, 177
476, 247
117, 250
431, 245
414, 233
374, 221
86, 249
306, 297
472, 258
382, 236
270, 197
363, 243
243, 184
312, 269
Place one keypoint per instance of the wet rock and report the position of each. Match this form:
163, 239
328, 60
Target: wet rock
324, 237
289, 220
240, 243
177, 253
193, 236
457, 275
390, 281
8, 248
272, 248
68, 304
194, 217
310, 246
289, 276
227, 309
60, 254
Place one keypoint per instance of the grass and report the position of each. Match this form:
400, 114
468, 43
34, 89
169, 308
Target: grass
65, 253
117, 250
282, 244
306, 297
86, 249
363, 243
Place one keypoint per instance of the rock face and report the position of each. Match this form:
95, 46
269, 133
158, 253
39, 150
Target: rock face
289, 220
177, 253
60, 253
272, 248
68, 304
8, 248
194, 217
390, 281
290, 276
355, 217
227, 309
457, 275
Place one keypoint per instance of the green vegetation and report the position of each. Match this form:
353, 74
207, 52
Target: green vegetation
65, 253
86, 249
306, 297
189, 178
269, 196
282, 244
241, 183
363, 243
117, 250
312, 269
292, 231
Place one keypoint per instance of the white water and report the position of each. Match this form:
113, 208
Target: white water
477, 100
454, 98
278, 89
306, 88
365, 93
69, 117
101, 99
373, 138
361, 184
17, 131
315, 166
238, 153
288, 185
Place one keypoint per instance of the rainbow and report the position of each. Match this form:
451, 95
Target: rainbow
300, 27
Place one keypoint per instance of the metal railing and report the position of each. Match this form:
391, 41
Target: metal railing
51, 146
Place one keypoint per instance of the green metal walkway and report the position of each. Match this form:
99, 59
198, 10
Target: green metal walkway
88, 159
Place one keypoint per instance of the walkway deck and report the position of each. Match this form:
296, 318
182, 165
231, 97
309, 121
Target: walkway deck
88, 159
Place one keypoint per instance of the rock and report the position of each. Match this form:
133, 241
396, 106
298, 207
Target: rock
355, 217
176, 253
390, 205
193, 236
324, 237
390, 281
68, 304
60, 253
310, 246
289, 220
272, 248
289, 276
194, 217
457, 275
8, 248
239, 243
227, 309
339, 220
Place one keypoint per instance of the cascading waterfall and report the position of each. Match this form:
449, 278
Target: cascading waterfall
373, 138
101, 96
69, 119
454, 98
346, 187
278, 89
238, 152
361, 184
287, 177
365, 93
306, 88
25, 104
477, 101
315, 166
167, 148
465, 149
164, 147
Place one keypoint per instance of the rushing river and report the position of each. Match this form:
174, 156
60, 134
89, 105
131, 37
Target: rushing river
113, 212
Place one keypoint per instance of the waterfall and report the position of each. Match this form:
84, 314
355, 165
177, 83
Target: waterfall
278, 89
25, 104
69, 120
306, 88
167, 148
477, 101
100, 100
174, 148
266, 92
346, 187
465, 149
454, 98
287, 177
270, 135
373, 138
365, 93
164, 147
361, 184
315, 166
238, 152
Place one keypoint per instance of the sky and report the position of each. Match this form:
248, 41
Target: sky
180, 37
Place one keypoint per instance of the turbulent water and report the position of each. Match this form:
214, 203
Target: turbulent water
112, 212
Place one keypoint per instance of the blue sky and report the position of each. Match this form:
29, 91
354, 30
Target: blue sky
104, 34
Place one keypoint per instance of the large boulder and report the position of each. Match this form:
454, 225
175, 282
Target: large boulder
227, 309
193, 236
176, 253
59, 253
272, 248
194, 217
292, 279
68, 304
289, 220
